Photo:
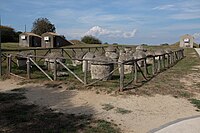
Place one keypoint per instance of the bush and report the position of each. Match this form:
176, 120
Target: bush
164, 44
8, 34
91, 40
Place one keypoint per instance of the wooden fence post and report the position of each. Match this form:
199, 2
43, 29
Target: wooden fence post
121, 76
145, 67
35, 54
9, 63
55, 70
163, 61
28, 67
153, 66
135, 69
85, 72
159, 63
168, 60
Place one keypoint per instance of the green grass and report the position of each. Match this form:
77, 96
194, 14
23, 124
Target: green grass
102, 126
122, 111
168, 82
195, 102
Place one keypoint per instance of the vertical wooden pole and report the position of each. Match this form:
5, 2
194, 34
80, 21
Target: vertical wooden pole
168, 60
85, 72
28, 68
163, 61
135, 69
145, 67
159, 62
0, 52
121, 76
55, 70
153, 66
35, 54
62, 52
9, 63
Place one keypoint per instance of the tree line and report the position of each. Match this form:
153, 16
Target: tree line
40, 26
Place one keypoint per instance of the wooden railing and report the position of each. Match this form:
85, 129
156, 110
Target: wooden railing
163, 62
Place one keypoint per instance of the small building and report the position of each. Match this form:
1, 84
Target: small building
53, 40
187, 41
28, 39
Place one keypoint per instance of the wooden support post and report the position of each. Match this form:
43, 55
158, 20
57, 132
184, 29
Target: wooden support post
35, 54
172, 54
62, 52
153, 66
164, 61
135, 70
121, 77
28, 68
168, 60
55, 70
9, 63
159, 63
85, 72
145, 67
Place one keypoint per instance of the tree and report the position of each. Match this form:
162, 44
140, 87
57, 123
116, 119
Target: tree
91, 40
42, 25
8, 34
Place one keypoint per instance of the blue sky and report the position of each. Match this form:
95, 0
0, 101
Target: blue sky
120, 21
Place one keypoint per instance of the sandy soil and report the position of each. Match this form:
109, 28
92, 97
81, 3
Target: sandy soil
146, 112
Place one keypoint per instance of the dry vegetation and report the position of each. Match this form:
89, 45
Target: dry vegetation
18, 115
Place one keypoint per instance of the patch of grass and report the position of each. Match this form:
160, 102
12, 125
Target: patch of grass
102, 126
195, 102
185, 94
52, 85
107, 107
122, 111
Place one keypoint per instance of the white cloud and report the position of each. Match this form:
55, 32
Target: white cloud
186, 16
99, 31
196, 35
164, 7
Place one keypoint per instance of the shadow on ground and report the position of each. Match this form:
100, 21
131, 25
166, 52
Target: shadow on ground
17, 115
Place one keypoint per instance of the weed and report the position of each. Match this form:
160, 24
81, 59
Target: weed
71, 87
195, 102
102, 126
107, 107
123, 111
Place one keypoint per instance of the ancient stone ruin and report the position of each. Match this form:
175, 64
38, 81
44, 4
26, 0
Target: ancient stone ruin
101, 67
22, 58
111, 52
50, 59
87, 56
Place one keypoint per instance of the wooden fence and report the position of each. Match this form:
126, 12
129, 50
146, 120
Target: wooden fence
160, 62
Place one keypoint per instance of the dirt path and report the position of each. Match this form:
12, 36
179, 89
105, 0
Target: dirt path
131, 113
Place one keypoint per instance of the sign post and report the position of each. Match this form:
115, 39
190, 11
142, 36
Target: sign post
0, 51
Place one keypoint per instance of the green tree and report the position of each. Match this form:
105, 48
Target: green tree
42, 25
91, 40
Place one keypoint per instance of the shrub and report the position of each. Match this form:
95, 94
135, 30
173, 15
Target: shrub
91, 40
